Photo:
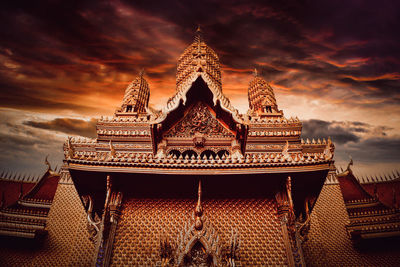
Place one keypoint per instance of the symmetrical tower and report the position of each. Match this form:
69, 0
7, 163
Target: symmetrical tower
198, 58
136, 98
261, 97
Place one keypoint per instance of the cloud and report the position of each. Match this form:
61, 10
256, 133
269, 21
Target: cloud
327, 61
23, 147
364, 142
323, 129
377, 149
68, 126
70, 56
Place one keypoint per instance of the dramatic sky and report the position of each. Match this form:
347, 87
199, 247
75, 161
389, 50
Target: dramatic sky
334, 64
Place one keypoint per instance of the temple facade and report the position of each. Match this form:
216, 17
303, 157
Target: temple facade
199, 184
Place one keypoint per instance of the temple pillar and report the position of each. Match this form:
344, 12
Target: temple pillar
104, 239
292, 229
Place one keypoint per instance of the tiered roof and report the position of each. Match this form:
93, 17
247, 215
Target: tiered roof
373, 207
259, 140
198, 132
25, 205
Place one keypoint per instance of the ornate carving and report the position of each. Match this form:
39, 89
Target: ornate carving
162, 146
199, 140
285, 151
236, 152
166, 252
93, 222
328, 151
208, 238
294, 230
198, 212
231, 253
199, 120
198, 242
106, 227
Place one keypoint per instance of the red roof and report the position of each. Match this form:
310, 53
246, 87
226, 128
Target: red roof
45, 188
10, 191
385, 191
351, 188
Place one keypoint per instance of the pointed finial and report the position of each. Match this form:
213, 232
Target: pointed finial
47, 163
255, 73
199, 210
142, 72
350, 164
198, 35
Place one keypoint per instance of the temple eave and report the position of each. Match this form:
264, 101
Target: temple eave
203, 170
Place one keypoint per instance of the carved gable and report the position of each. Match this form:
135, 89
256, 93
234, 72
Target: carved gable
199, 120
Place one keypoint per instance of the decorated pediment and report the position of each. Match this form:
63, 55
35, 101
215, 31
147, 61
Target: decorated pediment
199, 121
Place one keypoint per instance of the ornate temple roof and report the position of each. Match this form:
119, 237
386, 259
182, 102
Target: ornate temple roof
25, 205
373, 207
199, 60
199, 133
198, 129
130, 197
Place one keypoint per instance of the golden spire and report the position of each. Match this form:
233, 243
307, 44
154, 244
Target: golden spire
198, 212
261, 95
137, 94
142, 73
198, 35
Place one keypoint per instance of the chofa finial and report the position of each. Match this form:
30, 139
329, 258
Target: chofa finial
350, 164
47, 163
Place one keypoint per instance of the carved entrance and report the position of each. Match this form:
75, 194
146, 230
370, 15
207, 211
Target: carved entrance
198, 257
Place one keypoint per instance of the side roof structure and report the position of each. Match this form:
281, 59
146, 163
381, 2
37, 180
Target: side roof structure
25, 205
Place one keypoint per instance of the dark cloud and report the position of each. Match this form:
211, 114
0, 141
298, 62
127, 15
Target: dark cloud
24, 148
375, 150
68, 126
67, 50
323, 129
76, 57
364, 142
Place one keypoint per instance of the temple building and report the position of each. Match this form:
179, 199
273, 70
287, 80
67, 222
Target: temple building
199, 184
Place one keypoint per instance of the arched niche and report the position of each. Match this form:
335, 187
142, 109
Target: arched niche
174, 152
208, 153
222, 153
189, 153
198, 256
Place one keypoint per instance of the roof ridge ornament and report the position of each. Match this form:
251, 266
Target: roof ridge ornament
350, 164
142, 72
198, 35
47, 163
198, 210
